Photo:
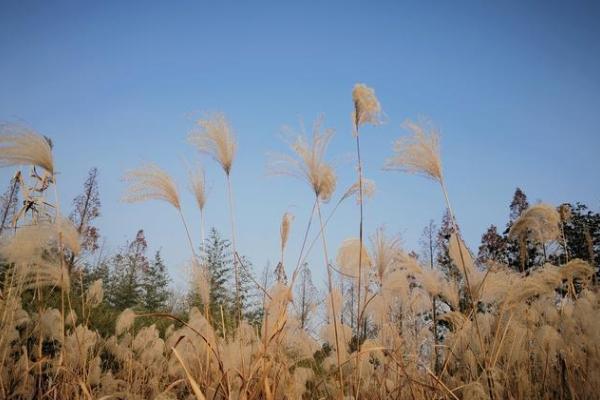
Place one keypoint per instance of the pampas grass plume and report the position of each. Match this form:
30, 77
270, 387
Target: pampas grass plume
216, 139
150, 182
23, 146
125, 321
367, 109
418, 153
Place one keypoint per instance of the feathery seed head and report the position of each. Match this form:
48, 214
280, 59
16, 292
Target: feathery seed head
368, 190
125, 321
286, 222
150, 182
95, 293
418, 153
198, 187
348, 255
22, 146
540, 222
216, 139
367, 109
309, 164
386, 252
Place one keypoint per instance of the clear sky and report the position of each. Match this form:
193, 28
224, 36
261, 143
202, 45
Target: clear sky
513, 86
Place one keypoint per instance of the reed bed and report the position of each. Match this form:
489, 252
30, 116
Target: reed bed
416, 332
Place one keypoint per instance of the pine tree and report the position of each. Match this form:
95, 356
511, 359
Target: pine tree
128, 267
217, 257
518, 204
520, 255
155, 281
250, 294
493, 247
582, 234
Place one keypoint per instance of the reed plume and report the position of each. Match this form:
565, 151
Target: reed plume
419, 153
368, 190
22, 146
386, 252
284, 231
150, 182
308, 161
198, 189
367, 109
216, 139
540, 222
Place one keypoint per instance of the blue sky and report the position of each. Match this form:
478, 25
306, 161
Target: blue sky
513, 87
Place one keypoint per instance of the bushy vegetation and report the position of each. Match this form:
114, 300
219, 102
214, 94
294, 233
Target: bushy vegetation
519, 319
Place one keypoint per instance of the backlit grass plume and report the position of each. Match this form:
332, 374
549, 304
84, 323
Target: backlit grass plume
150, 182
308, 162
541, 222
198, 189
367, 109
418, 153
22, 146
216, 139
284, 230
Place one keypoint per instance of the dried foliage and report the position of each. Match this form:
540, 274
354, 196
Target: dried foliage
367, 109
540, 222
418, 153
488, 332
22, 146
284, 230
216, 139
150, 182
308, 162
198, 187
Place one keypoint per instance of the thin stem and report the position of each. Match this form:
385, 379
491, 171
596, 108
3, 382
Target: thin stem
468, 284
333, 312
300, 258
187, 232
238, 308
201, 228
360, 236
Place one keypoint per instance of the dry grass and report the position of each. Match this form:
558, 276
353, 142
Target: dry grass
489, 333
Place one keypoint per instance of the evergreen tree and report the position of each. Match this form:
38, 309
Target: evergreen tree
521, 255
250, 294
155, 281
582, 234
128, 267
518, 204
493, 247
217, 257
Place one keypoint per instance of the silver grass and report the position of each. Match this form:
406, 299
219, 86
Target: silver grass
308, 162
541, 222
419, 153
216, 139
22, 146
367, 109
150, 182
